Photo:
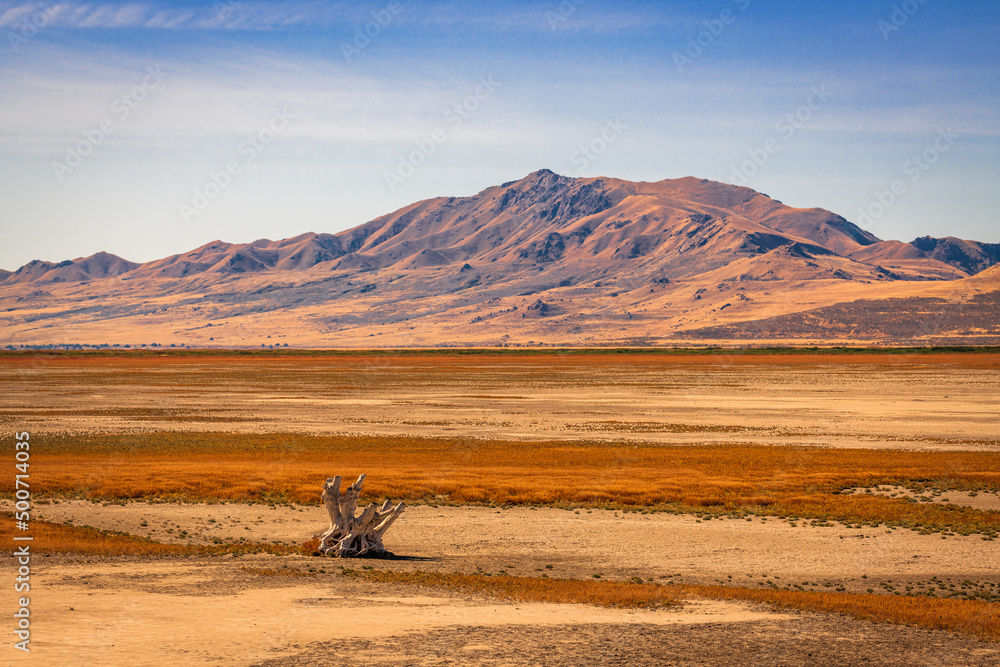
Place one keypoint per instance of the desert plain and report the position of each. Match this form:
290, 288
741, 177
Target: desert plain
565, 507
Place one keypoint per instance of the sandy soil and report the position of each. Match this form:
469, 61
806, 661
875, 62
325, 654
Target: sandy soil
221, 611
204, 612
805, 639
575, 543
233, 611
910, 402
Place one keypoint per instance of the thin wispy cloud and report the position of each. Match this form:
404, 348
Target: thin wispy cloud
223, 15
549, 17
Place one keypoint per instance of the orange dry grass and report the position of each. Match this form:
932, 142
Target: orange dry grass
275, 572
50, 537
57, 538
970, 617
787, 481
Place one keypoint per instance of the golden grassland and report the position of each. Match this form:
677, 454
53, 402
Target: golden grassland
971, 617
48, 537
788, 481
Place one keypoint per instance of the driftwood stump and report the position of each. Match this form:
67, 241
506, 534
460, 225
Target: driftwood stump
352, 536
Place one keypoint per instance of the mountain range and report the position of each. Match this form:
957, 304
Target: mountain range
546, 259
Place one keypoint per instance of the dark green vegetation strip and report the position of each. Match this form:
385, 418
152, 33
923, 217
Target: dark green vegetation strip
489, 351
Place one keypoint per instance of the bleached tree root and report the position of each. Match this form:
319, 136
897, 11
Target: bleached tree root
350, 536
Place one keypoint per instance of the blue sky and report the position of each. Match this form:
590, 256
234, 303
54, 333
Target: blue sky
149, 128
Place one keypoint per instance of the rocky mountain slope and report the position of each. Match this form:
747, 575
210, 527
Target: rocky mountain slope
545, 259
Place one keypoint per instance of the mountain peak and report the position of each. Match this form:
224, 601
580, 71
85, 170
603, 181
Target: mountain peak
537, 176
561, 225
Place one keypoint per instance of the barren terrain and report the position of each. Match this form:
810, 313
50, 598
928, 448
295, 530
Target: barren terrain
199, 612
929, 420
904, 401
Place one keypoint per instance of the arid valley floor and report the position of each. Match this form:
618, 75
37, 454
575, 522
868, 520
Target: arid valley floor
791, 508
